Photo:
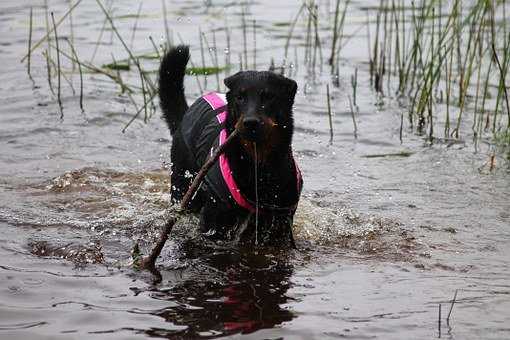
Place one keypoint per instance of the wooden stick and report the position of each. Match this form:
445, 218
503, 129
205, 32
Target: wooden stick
149, 262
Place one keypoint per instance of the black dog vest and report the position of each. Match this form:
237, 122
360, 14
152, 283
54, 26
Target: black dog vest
203, 130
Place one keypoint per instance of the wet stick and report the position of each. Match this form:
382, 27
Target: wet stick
149, 262
205, 168
59, 71
45, 37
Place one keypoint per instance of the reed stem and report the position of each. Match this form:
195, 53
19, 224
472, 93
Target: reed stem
59, 71
330, 117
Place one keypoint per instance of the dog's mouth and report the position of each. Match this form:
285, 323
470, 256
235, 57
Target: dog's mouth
259, 139
252, 134
251, 129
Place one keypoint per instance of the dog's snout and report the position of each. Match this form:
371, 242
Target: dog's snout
251, 128
251, 123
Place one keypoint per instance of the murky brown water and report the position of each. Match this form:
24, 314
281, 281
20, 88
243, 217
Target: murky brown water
382, 240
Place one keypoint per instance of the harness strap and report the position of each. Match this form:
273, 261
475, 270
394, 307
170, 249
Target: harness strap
216, 101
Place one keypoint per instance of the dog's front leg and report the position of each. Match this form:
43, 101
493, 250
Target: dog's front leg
216, 219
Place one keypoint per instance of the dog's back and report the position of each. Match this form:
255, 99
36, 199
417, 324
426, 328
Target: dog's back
171, 86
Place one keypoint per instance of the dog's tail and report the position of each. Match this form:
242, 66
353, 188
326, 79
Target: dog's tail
171, 85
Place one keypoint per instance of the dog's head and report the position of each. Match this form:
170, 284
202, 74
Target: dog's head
260, 107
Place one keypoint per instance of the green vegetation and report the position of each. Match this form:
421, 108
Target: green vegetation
204, 70
446, 63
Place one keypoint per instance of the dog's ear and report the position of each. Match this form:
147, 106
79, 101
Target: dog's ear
290, 87
286, 86
233, 81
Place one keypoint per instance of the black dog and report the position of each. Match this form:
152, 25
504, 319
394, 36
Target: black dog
252, 192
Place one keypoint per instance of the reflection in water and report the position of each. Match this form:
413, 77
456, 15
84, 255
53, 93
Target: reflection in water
230, 292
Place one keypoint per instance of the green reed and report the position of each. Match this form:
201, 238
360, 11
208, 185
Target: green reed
444, 53
30, 42
59, 70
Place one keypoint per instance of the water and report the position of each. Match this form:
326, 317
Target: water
382, 240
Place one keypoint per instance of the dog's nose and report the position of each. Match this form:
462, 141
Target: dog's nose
251, 123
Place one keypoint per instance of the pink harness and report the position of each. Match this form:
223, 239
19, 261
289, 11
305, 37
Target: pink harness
216, 101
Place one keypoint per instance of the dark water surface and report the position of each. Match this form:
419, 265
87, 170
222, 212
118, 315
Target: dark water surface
382, 240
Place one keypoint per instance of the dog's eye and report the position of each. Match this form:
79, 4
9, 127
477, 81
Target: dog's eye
240, 97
